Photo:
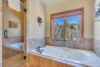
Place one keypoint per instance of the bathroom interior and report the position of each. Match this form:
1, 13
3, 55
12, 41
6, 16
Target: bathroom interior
50, 33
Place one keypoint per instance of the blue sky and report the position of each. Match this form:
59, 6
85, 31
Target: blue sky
59, 20
71, 19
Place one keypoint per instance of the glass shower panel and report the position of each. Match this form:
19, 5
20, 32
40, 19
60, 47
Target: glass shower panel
73, 28
13, 27
58, 29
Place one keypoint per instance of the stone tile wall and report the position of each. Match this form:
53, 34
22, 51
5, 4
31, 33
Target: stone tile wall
86, 43
34, 43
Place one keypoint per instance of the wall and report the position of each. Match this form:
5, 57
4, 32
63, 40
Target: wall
36, 33
14, 34
71, 5
88, 20
97, 34
0, 33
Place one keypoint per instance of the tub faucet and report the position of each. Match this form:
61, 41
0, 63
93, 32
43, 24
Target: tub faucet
38, 49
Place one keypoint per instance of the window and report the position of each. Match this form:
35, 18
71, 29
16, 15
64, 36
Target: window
67, 26
58, 29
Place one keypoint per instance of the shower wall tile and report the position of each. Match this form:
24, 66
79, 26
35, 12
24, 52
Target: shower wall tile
55, 43
11, 40
86, 43
34, 43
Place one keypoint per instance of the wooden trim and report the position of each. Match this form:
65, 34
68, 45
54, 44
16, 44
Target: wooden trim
64, 28
75, 10
34, 60
51, 27
25, 27
23, 1
66, 14
82, 23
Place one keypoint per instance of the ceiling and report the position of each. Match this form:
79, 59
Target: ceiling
50, 2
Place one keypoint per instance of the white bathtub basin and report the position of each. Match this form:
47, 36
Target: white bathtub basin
17, 46
73, 55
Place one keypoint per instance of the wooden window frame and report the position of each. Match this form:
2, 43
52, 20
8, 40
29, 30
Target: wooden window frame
64, 15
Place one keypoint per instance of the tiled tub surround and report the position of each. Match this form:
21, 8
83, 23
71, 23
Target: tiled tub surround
11, 40
86, 43
97, 46
34, 43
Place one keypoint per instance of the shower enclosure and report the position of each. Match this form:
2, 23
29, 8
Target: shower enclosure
13, 31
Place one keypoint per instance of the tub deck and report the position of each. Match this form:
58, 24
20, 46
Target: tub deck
38, 61
74, 57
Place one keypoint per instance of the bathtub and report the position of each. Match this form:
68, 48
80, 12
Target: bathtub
77, 56
16, 46
14, 49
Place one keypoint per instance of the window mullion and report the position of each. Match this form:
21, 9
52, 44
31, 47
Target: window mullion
64, 28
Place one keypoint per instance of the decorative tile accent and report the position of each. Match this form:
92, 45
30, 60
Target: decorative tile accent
34, 43
86, 43
11, 40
